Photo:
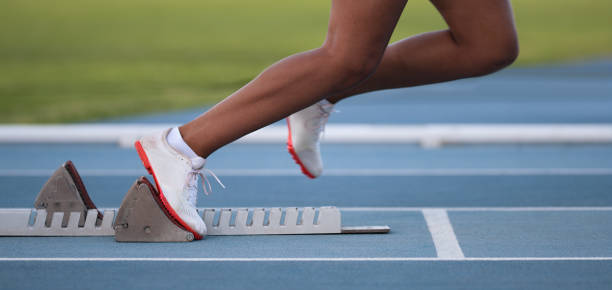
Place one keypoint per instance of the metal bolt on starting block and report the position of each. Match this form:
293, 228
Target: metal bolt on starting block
63, 208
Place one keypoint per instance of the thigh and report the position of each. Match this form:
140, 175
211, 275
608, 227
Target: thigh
362, 27
477, 22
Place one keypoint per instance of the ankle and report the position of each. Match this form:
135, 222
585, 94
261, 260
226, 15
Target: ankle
176, 141
337, 97
333, 99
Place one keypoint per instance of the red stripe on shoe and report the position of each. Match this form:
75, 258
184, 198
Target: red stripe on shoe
296, 158
145, 161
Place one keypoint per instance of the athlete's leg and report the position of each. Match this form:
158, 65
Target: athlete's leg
358, 34
481, 39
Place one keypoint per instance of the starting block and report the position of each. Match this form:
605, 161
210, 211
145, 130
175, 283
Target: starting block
64, 208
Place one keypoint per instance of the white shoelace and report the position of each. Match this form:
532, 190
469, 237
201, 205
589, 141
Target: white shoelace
192, 183
317, 123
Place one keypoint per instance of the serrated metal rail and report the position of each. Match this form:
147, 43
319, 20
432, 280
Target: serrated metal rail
31, 222
273, 221
220, 222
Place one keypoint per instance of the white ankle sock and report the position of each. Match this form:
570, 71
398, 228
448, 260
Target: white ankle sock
176, 141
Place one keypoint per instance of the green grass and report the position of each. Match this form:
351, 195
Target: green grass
74, 60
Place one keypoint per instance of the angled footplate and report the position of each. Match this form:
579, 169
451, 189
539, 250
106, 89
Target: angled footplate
143, 218
65, 192
63, 208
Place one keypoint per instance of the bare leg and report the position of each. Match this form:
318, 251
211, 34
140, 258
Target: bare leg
481, 39
358, 34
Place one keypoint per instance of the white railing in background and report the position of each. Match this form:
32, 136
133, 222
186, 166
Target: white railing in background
428, 135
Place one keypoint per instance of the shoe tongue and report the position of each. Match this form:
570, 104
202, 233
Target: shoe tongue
326, 106
197, 163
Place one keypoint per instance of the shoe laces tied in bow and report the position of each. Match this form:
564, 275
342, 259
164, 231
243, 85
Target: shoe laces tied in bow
192, 183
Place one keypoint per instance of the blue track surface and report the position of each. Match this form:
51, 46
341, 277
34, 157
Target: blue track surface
525, 217
570, 93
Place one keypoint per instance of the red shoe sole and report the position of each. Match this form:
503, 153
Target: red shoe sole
175, 216
294, 155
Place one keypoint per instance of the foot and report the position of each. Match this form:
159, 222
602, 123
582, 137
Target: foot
176, 178
305, 128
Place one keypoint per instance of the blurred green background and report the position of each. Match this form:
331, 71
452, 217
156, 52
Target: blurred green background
75, 60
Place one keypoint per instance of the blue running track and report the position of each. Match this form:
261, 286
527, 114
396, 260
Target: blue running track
523, 217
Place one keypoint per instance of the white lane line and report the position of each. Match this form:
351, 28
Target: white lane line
405, 209
494, 208
468, 171
430, 135
411, 209
442, 233
297, 259
82, 172
342, 172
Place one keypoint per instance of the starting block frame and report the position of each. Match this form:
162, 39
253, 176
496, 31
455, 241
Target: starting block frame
64, 208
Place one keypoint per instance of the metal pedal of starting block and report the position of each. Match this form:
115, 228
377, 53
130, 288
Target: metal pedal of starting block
64, 208
143, 218
65, 192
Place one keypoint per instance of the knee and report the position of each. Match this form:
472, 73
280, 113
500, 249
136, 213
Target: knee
357, 68
351, 66
491, 57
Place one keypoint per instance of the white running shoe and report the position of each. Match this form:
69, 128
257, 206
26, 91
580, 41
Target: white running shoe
176, 178
305, 130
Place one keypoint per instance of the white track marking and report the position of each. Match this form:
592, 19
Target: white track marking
418, 209
340, 172
298, 259
468, 171
442, 233
493, 208
82, 172
429, 135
